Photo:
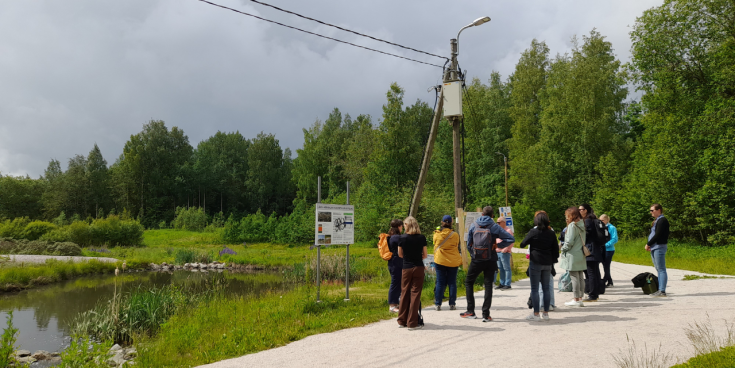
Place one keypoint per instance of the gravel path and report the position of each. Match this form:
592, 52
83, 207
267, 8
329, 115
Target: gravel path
42, 259
588, 336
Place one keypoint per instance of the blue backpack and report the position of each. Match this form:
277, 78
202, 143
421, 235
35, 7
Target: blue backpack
483, 242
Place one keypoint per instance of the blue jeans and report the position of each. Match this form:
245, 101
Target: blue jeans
445, 276
540, 274
551, 291
506, 273
659, 262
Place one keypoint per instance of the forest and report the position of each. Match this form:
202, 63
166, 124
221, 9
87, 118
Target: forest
578, 127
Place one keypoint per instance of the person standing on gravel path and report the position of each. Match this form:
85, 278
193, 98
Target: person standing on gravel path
544, 253
447, 261
657, 245
572, 255
395, 265
609, 249
412, 248
594, 278
481, 246
504, 258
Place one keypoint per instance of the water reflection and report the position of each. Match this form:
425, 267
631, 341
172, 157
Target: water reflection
43, 315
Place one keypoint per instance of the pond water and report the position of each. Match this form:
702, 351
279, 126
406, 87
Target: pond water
43, 315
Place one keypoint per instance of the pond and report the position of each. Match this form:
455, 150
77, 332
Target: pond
43, 315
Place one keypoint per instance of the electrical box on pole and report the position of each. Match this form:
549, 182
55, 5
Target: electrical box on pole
452, 98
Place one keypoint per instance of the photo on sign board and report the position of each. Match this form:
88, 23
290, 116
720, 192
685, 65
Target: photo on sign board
327, 239
341, 224
325, 217
321, 239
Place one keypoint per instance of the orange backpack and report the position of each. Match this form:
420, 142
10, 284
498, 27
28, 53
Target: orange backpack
383, 248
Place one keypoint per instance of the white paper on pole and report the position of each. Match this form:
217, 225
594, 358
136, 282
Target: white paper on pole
335, 224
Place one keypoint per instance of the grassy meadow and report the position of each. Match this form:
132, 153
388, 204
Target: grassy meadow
718, 260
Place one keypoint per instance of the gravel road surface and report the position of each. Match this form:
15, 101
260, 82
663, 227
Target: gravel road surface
574, 337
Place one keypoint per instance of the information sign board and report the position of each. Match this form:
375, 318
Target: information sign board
469, 219
335, 224
505, 212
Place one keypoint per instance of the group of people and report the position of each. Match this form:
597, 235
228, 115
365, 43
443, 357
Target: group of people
584, 244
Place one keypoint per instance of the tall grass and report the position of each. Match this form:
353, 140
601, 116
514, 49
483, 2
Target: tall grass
139, 312
15, 276
681, 255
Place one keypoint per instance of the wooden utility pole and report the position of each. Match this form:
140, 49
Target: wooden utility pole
416, 200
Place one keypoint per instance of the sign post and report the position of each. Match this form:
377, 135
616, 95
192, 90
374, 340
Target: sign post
506, 213
335, 224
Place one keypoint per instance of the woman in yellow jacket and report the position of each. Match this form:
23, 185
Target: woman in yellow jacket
447, 260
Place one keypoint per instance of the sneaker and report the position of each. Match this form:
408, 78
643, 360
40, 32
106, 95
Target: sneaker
468, 315
416, 328
659, 294
551, 308
545, 316
506, 287
487, 319
438, 307
393, 309
588, 300
499, 287
452, 307
533, 317
574, 303
401, 326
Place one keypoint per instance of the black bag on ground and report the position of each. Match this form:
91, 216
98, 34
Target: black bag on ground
647, 281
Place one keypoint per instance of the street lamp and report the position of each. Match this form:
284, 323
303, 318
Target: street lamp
505, 160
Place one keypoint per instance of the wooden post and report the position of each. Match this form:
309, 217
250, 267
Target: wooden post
462, 244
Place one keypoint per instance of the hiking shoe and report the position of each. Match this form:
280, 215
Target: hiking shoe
533, 317
438, 307
468, 315
545, 316
659, 294
416, 328
452, 307
499, 287
487, 319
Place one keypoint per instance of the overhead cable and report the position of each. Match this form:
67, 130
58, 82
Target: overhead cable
347, 30
318, 35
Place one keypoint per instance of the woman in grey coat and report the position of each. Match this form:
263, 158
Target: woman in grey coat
572, 256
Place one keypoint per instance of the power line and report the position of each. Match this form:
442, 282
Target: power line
347, 30
318, 35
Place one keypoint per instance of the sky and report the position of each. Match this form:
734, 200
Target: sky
76, 73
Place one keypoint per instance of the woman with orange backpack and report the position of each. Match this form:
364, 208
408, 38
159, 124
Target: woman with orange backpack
395, 265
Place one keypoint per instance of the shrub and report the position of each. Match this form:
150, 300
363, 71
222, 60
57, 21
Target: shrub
60, 220
15, 228
57, 235
36, 229
23, 246
7, 344
116, 232
79, 233
193, 219
185, 256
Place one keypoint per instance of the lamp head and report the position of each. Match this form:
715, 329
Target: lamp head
480, 21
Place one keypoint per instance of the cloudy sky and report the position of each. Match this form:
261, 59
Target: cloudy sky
78, 72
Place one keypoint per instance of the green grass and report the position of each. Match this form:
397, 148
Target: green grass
724, 358
15, 277
680, 255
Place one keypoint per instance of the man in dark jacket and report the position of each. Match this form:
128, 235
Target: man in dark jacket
594, 286
657, 245
480, 242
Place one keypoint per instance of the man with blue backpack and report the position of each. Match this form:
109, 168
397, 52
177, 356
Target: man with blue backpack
481, 244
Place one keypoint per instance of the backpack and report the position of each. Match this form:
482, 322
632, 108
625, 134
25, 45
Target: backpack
483, 242
383, 248
647, 281
603, 236
565, 283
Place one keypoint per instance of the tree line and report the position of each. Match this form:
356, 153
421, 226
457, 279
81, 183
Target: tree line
566, 122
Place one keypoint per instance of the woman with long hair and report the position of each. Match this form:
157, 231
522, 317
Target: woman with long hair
544, 253
597, 254
572, 255
395, 265
447, 261
412, 248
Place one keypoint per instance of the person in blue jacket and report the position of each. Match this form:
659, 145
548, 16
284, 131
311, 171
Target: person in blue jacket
480, 244
609, 249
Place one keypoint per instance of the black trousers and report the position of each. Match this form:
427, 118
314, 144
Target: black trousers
594, 279
487, 268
